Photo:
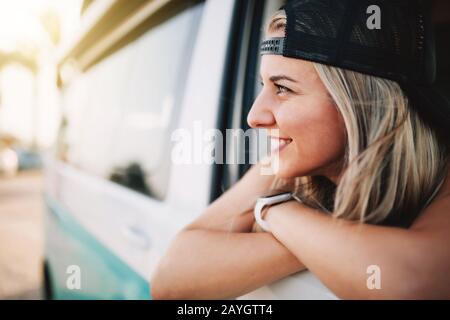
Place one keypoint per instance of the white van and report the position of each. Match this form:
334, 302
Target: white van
139, 70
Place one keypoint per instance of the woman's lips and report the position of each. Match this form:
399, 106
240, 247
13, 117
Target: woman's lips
278, 144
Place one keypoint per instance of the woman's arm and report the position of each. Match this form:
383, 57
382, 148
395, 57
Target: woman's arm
205, 264
233, 210
414, 263
215, 256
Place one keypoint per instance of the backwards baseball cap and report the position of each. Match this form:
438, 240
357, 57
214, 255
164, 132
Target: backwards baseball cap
392, 39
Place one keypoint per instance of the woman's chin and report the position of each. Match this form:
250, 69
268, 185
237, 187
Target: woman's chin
288, 169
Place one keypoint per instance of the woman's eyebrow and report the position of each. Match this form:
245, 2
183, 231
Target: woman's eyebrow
280, 77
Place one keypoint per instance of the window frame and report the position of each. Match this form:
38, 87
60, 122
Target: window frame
239, 84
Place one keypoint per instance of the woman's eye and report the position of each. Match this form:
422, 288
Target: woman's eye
282, 89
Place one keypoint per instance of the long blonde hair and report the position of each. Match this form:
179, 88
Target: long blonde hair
393, 160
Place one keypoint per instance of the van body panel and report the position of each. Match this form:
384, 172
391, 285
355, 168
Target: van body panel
102, 274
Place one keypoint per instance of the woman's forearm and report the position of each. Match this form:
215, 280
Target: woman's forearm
340, 252
233, 210
205, 264
217, 256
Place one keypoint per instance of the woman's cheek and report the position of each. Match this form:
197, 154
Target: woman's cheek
291, 119
300, 123
318, 138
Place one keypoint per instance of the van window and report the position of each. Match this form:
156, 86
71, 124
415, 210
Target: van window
242, 85
118, 115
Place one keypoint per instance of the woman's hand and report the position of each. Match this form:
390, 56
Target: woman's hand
233, 210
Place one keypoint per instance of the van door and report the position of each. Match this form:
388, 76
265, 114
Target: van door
112, 206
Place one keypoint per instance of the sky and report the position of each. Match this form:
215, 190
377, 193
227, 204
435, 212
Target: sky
20, 21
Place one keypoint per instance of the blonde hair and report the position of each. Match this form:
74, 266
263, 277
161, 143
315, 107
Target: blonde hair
393, 160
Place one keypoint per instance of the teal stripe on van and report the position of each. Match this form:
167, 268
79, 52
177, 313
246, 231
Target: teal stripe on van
103, 275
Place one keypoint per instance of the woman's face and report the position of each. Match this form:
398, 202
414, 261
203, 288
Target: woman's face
295, 101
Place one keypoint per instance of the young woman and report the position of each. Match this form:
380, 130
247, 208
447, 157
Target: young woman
372, 171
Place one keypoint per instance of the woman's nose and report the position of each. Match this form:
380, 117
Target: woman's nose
260, 115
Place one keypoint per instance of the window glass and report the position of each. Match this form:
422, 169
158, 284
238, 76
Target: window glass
119, 114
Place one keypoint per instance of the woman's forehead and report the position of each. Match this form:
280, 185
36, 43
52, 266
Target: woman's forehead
297, 69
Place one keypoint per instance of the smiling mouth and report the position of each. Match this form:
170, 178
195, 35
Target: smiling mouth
277, 144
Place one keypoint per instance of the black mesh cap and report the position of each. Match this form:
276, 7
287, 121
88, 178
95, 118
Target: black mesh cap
336, 32
342, 33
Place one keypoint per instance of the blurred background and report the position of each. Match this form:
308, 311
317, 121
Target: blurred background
30, 33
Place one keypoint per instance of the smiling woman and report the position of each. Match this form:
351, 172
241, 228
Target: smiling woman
359, 146
365, 124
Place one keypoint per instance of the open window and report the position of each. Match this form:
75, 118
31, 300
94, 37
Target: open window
241, 83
